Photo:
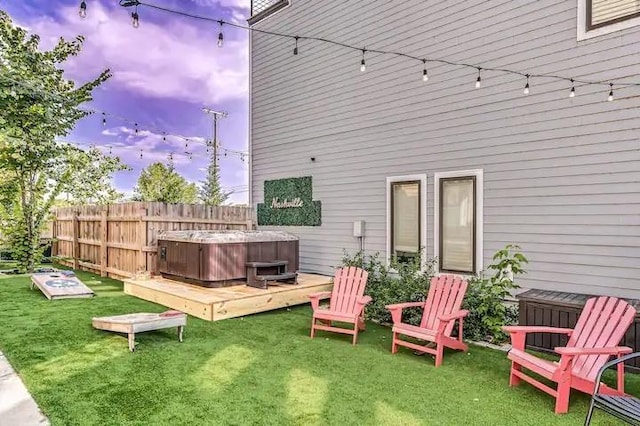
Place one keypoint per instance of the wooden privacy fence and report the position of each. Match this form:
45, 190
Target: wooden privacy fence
120, 239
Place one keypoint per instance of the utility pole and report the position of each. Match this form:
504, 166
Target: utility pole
216, 115
211, 192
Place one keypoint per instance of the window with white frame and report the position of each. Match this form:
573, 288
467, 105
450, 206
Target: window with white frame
406, 216
458, 221
598, 17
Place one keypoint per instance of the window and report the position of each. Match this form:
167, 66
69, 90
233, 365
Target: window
458, 225
598, 17
260, 9
406, 218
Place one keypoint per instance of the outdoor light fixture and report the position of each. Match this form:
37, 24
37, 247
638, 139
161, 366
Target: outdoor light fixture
220, 35
610, 98
425, 75
363, 67
104, 119
83, 9
572, 94
526, 86
135, 20
295, 49
478, 84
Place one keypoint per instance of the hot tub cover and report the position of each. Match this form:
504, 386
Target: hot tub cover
226, 236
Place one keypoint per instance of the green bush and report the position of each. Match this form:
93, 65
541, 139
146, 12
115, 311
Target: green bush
486, 295
397, 283
407, 282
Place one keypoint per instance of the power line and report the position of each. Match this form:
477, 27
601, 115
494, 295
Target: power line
136, 126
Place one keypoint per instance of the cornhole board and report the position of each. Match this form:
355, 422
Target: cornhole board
57, 285
131, 324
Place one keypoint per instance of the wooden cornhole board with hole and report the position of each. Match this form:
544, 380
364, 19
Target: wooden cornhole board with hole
131, 324
57, 285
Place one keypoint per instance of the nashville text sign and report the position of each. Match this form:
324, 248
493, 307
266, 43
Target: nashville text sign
289, 202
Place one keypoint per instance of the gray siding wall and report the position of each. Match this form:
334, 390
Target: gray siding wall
561, 176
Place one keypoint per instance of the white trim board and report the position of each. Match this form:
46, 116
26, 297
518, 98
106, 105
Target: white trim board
478, 173
583, 34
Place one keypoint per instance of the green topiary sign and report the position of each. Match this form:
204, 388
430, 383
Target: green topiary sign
288, 202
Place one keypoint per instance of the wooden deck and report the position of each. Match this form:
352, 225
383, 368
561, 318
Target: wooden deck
214, 304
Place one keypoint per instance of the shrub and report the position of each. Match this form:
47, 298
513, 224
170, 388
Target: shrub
400, 282
486, 295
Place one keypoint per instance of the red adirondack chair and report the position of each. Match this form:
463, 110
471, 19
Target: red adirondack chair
346, 304
440, 312
600, 327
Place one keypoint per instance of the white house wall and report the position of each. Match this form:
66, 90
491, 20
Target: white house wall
561, 175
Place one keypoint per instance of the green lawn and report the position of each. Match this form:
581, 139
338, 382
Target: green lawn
262, 369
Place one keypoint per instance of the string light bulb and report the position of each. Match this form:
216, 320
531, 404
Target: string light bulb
425, 73
526, 86
610, 98
479, 79
83, 9
572, 93
136, 126
104, 120
135, 19
220, 35
164, 137
295, 49
363, 66
141, 154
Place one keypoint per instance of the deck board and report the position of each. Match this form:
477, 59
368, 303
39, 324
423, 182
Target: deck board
214, 304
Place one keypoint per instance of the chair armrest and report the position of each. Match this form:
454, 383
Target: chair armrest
456, 315
364, 300
404, 305
315, 298
511, 329
518, 333
396, 310
615, 350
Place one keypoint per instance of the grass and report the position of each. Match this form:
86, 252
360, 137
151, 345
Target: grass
258, 370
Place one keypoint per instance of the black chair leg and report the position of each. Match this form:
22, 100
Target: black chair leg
587, 421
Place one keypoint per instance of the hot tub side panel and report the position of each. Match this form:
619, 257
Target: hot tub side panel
179, 258
222, 262
269, 251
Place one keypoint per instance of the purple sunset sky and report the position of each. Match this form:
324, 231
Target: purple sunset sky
164, 72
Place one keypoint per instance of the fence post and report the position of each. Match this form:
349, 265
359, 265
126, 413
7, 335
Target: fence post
104, 238
76, 243
142, 241
54, 235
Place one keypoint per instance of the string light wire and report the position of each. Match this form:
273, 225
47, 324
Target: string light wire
136, 3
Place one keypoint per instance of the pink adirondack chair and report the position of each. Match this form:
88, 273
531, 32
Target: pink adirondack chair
600, 327
346, 304
440, 312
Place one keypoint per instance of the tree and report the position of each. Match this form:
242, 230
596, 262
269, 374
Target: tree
162, 183
37, 105
211, 193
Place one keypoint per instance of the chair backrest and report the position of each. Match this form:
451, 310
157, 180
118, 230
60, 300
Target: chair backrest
348, 285
602, 323
446, 293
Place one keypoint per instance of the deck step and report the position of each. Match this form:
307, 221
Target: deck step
278, 277
267, 264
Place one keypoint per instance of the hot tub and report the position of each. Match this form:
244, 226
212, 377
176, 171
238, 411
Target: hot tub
218, 258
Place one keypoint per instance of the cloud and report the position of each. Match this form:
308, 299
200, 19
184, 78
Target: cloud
174, 59
238, 4
109, 132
